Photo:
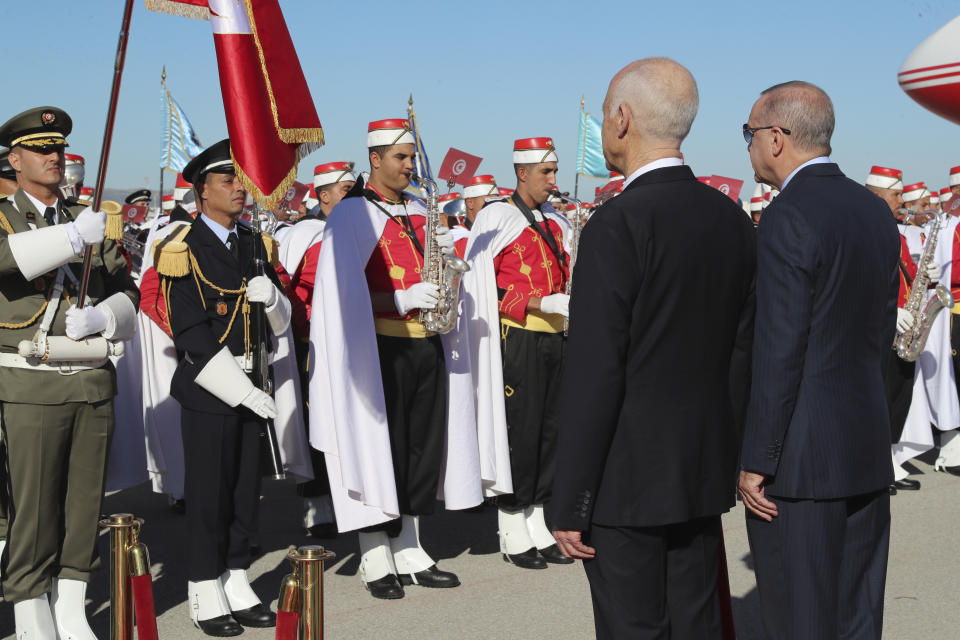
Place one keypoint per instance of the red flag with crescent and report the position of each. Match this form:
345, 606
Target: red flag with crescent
271, 118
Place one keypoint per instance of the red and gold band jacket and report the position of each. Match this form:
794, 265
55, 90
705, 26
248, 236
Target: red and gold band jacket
527, 268
911, 268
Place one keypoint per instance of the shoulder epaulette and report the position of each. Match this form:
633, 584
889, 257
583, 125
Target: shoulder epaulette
273, 249
171, 255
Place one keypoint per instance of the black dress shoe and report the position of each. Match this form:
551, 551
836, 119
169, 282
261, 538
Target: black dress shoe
178, 506
259, 615
553, 555
432, 577
386, 588
324, 530
222, 626
907, 484
955, 471
892, 489
529, 559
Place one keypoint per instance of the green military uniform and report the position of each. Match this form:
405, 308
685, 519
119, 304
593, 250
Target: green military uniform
57, 427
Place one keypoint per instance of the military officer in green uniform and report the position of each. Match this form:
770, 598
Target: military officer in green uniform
8, 177
56, 381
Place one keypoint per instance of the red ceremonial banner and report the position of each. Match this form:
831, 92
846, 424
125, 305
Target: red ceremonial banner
134, 212
459, 167
728, 186
271, 118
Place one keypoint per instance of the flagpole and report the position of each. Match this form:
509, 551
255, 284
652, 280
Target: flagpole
576, 179
107, 137
163, 84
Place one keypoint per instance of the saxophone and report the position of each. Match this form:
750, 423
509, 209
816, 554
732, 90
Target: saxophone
443, 271
910, 343
577, 225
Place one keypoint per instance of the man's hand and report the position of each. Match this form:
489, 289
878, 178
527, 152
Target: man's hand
422, 295
558, 303
571, 545
751, 488
904, 320
933, 272
90, 225
84, 322
444, 240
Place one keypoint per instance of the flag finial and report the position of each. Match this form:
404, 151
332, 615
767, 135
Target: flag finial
163, 74
582, 101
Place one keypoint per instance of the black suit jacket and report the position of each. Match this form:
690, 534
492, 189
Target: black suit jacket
657, 366
826, 312
197, 324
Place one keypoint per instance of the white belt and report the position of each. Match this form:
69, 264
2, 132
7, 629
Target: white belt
16, 361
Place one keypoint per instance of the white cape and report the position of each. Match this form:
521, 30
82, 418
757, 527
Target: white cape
348, 420
126, 466
297, 241
934, 388
496, 226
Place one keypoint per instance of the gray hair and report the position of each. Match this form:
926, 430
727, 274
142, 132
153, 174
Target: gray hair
803, 108
662, 96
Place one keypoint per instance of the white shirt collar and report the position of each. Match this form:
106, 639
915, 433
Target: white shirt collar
40, 207
650, 166
221, 231
817, 160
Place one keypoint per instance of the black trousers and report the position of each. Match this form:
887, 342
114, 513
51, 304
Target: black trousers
221, 456
415, 394
955, 345
898, 383
656, 582
320, 485
532, 368
821, 567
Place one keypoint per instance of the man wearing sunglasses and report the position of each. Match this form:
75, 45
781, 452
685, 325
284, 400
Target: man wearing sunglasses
816, 453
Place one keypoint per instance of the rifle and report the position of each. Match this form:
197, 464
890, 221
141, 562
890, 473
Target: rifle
259, 331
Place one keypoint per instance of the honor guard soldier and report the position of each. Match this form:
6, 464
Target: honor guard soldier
519, 269
8, 177
948, 458
945, 195
389, 424
475, 195
56, 393
955, 181
298, 254
208, 278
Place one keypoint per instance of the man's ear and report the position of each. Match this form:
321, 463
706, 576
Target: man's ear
623, 121
14, 160
374, 160
522, 173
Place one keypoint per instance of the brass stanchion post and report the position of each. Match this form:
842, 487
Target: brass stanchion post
122, 526
308, 566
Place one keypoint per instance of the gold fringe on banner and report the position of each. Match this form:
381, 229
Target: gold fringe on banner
310, 139
265, 200
181, 9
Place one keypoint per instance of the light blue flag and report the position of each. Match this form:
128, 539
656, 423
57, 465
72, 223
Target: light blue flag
590, 160
421, 163
180, 141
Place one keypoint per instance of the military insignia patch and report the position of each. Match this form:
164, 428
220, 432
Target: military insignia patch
221, 308
48, 117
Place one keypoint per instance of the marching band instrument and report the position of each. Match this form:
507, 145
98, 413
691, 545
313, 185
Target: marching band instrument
577, 224
443, 271
910, 343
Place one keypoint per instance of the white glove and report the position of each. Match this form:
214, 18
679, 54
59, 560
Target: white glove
444, 240
84, 322
260, 403
260, 289
933, 272
904, 320
422, 295
90, 226
556, 303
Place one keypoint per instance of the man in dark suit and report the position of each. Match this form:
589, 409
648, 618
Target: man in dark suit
816, 451
657, 372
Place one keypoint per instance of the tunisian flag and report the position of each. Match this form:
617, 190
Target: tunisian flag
271, 119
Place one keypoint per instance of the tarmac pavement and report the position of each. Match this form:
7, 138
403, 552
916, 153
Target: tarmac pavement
499, 600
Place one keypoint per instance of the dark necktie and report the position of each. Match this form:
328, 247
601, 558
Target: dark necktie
233, 242
48, 215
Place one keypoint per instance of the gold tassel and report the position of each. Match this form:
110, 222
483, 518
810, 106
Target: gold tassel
114, 213
273, 249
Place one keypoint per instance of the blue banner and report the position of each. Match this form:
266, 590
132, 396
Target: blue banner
590, 160
180, 141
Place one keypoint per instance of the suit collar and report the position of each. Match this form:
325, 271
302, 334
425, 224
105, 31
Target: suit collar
664, 174
213, 244
820, 170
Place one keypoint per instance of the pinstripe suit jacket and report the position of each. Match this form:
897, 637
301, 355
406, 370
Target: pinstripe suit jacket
817, 421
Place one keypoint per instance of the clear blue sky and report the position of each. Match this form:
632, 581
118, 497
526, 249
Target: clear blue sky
484, 74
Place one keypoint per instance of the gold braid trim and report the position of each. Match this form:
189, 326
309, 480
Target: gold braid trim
241, 294
5, 224
179, 9
24, 325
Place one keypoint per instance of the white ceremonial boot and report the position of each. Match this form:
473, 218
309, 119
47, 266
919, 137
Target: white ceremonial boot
244, 604
516, 545
949, 457
542, 537
413, 564
209, 609
68, 605
318, 517
377, 569
34, 620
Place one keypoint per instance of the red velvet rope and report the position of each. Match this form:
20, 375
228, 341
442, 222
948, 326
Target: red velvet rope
723, 588
143, 607
287, 622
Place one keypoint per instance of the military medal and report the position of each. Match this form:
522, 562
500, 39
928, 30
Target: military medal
221, 307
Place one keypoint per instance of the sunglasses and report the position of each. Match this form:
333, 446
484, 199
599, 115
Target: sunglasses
748, 131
